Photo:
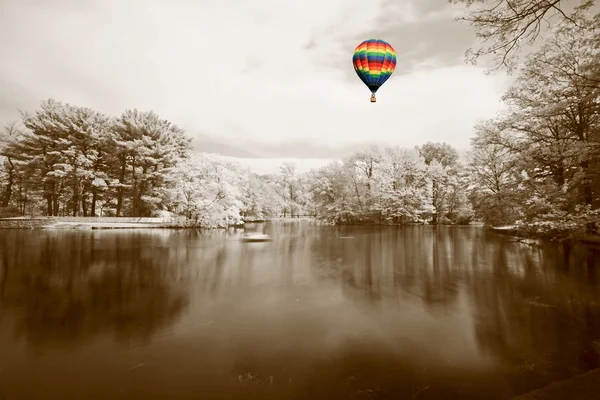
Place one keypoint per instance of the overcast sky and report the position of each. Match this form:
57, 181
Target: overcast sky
272, 76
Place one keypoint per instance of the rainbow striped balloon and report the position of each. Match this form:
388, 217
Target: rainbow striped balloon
374, 62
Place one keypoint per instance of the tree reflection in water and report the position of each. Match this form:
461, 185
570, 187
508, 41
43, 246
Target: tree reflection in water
320, 312
68, 287
535, 308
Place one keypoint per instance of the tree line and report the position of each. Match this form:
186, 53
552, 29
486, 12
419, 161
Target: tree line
74, 160
64, 159
69, 160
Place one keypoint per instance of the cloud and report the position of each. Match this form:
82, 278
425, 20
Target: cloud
246, 72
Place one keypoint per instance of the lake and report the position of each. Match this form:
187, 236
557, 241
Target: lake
321, 312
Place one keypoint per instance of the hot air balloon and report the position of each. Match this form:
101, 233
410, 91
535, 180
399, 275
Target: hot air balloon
374, 61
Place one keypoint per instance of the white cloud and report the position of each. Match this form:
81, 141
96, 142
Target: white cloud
215, 65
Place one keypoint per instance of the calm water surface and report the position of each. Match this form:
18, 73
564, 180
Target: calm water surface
319, 313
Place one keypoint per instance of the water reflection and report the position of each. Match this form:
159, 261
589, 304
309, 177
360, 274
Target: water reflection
323, 312
67, 288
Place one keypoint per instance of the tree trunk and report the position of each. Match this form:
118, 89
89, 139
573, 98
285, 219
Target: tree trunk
122, 182
49, 209
55, 205
20, 200
8, 189
75, 193
559, 176
84, 205
134, 195
141, 191
94, 199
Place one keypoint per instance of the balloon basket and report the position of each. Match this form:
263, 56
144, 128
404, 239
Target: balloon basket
373, 99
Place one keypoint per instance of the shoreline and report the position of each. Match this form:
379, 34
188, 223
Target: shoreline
101, 223
515, 231
407, 224
87, 223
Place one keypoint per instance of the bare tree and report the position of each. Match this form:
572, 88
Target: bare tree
504, 25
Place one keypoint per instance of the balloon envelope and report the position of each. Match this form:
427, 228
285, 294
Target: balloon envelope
374, 62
